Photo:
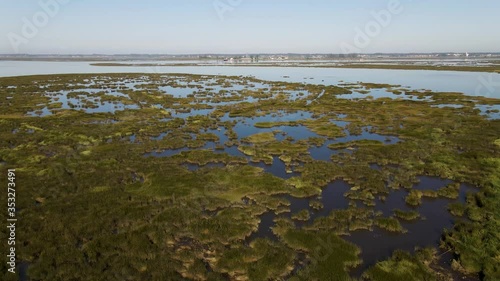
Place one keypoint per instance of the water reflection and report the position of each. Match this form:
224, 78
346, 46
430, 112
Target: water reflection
441, 81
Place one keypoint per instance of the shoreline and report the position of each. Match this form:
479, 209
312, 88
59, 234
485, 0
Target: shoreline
486, 69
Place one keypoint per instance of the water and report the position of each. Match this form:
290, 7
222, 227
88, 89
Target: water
246, 127
490, 111
332, 198
178, 92
278, 168
470, 83
376, 245
379, 244
431, 183
23, 271
380, 93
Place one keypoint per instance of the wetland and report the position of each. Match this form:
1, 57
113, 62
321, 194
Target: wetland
137, 176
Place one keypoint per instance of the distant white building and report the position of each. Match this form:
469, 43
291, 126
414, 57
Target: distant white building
245, 60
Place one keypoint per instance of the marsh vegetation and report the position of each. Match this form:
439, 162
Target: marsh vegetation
175, 177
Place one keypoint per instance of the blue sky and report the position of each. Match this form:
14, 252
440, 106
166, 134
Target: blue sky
248, 26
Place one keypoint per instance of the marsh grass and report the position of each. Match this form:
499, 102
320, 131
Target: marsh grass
390, 224
403, 266
93, 199
406, 215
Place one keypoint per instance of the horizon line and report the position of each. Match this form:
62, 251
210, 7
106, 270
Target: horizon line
245, 53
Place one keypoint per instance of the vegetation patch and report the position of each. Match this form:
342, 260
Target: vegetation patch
403, 266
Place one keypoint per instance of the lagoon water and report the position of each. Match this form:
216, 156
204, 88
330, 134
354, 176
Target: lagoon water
470, 83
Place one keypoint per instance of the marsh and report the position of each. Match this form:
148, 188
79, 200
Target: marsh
202, 177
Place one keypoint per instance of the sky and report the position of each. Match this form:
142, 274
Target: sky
248, 26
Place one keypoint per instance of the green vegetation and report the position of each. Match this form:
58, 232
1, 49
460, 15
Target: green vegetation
476, 242
450, 191
268, 125
260, 138
121, 175
342, 222
316, 205
324, 127
414, 198
352, 144
301, 216
403, 266
329, 255
262, 260
203, 157
408, 216
390, 224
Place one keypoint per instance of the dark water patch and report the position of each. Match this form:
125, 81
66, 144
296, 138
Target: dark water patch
23, 271
265, 228
367, 135
212, 146
322, 153
246, 126
221, 133
296, 132
466, 189
431, 183
278, 168
233, 151
378, 245
394, 200
332, 198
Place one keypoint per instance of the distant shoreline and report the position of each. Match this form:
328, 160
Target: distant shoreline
490, 69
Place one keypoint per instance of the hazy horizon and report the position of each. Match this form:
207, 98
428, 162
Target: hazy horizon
190, 27
238, 54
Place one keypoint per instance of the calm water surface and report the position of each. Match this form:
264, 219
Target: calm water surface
471, 83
